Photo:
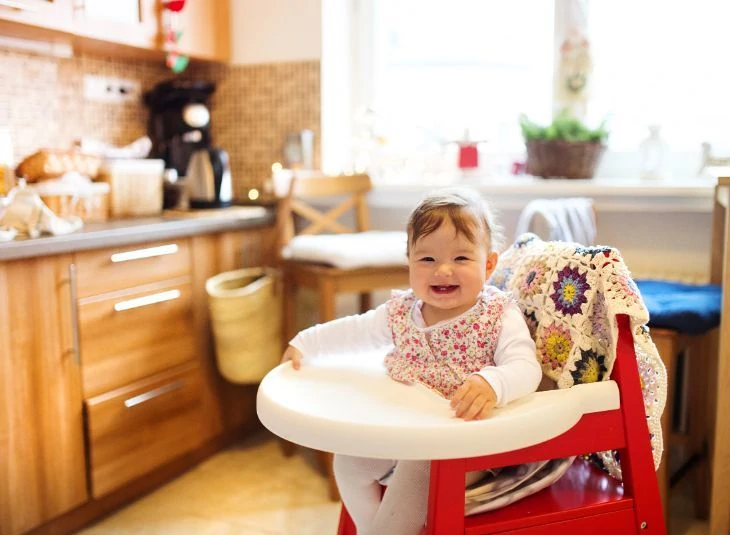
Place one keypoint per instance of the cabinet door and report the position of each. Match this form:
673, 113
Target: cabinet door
133, 23
228, 406
206, 30
42, 460
140, 427
38, 14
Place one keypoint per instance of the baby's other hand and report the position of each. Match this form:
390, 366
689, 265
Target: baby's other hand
293, 354
474, 399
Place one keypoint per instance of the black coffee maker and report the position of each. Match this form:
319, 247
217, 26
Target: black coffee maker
179, 126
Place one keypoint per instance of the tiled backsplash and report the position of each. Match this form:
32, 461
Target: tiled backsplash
42, 104
253, 109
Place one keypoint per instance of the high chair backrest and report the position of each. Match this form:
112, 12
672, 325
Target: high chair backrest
303, 188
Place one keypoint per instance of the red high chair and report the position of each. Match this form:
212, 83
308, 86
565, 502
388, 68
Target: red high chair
573, 297
585, 499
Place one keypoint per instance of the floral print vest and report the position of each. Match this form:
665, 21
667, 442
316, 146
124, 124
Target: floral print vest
442, 356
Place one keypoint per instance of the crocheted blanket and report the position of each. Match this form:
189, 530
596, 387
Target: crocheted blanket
570, 296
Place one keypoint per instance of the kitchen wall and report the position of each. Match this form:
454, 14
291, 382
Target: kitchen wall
41, 100
42, 103
254, 107
276, 30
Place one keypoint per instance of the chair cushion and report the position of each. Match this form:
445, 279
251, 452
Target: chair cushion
350, 251
687, 308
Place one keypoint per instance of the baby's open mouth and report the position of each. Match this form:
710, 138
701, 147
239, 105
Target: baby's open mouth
444, 289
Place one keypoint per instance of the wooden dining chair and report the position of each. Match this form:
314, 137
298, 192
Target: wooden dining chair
320, 252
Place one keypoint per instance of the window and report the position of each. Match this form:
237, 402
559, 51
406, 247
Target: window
659, 62
441, 68
425, 72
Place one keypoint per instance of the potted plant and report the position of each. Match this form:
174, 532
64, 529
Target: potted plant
566, 148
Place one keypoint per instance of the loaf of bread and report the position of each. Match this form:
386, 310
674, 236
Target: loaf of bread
52, 163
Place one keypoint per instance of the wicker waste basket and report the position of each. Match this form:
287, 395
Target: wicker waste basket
246, 316
563, 159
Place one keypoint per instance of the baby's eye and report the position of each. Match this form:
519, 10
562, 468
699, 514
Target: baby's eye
461, 258
426, 259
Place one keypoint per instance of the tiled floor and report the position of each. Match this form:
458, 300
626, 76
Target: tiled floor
251, 489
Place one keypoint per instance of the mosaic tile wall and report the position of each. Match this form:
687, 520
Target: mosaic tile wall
253, 109
42, 104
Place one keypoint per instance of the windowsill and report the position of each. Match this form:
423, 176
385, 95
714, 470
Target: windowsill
610, 194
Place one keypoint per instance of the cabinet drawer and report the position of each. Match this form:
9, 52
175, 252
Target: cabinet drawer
112, 269
127, 336
138, 428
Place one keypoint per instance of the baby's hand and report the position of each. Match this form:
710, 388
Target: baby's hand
293, 354
474, 399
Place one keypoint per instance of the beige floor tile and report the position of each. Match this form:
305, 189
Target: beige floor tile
251, 489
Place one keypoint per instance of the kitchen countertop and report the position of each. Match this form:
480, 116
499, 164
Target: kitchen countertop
129, 231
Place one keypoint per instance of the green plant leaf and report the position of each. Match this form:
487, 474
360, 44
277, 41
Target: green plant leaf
564, 127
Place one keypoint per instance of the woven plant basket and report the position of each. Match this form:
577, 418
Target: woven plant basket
563, 159
246, 316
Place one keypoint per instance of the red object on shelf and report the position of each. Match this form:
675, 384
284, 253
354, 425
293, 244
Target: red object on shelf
518, 168
174, 5
468, 156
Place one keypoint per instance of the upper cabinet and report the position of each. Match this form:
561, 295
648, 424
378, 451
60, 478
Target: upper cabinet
36, 16
132, 23
206, 30
204, 26
123, 27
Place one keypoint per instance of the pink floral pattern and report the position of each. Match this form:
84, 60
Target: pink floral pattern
442, 356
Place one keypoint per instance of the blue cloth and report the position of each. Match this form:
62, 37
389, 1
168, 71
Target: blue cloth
687, 308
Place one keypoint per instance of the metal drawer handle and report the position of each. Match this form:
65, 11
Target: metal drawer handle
137, 302
149, 252
14, 4
154, 393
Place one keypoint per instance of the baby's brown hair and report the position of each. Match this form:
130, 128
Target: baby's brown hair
470, 214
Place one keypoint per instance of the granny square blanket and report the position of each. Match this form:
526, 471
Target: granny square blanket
570, 296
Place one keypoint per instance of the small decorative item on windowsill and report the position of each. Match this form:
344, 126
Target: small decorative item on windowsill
566, 148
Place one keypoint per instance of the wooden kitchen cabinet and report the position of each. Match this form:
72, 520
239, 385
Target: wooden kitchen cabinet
230, 407
121, 27
42, 459
137, 428
138, 23
156, 336
107, 389
206, 30
133, 23
33, 17
136, 331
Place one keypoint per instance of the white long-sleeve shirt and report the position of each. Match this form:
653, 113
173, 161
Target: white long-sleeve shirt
516, 372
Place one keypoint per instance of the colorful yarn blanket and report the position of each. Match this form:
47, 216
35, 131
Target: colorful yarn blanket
570, 296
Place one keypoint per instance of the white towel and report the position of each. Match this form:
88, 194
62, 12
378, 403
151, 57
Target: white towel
570, 219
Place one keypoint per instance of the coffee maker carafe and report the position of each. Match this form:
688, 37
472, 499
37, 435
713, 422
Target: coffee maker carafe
179, 127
